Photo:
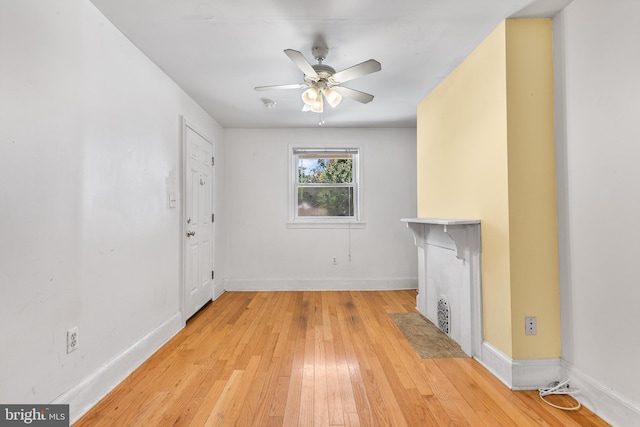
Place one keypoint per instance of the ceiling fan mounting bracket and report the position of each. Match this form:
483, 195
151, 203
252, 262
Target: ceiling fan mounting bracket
320, 52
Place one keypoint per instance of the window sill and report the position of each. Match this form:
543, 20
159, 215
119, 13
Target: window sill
326, 224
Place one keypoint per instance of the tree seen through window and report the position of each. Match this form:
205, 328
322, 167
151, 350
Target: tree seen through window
325, 186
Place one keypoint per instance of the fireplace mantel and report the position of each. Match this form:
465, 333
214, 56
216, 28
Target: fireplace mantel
455, 228
461, 270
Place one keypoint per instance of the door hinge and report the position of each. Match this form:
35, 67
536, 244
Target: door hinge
212, 274
212, 217
213, 161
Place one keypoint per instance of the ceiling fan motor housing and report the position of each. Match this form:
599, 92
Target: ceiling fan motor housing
324, 74
324, 71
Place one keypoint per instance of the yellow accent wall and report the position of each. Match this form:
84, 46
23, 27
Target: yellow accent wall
486, 150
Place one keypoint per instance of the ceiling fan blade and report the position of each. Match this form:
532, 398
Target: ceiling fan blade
301, 62
362, 69
277, 87
356, 95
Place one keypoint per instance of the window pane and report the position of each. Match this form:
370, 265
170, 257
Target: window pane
325, 201
325, 170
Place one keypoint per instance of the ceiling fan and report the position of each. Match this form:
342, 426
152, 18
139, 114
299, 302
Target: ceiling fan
323, 82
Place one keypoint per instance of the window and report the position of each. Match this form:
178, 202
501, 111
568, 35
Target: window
325, 186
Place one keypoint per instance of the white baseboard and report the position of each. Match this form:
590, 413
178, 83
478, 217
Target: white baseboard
520, 374
531, 374
320, 284
606, 403
84, 395
217, 291
496, 362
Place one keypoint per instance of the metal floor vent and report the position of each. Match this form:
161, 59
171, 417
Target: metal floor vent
444, 314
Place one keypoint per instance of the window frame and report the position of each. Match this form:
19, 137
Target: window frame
296, 221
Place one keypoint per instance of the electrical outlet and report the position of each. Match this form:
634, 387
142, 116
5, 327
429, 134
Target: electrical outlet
530, 325
72, 339
335, 260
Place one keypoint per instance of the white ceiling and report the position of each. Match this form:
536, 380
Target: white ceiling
219, 50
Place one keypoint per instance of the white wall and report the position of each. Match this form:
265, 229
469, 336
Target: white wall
597, 60
89, 152
263, 253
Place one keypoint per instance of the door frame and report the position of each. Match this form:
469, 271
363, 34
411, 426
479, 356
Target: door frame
185, 125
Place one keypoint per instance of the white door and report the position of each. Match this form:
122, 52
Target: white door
198, 238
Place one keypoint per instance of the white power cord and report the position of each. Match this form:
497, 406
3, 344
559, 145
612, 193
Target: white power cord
559, 388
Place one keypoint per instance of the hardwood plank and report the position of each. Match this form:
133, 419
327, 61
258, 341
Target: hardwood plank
549, 413
481, 403
232, 410
320, 392
351, 419
217, 415
448, 396
264, 359
298, 334
292, 406
208, 402
347, 399
363, 404
334, 394
279, 396
305, 415
402, 358
505, 398
384, 386
180, 404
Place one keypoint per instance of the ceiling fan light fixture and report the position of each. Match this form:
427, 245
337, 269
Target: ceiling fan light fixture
310, 95
333, 97
317, 105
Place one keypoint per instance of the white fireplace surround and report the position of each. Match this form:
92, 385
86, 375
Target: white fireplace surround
449, 265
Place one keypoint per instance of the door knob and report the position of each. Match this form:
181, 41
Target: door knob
191, 233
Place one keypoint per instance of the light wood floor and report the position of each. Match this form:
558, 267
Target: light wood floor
313, 359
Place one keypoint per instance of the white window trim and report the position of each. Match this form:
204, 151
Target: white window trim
297, 222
